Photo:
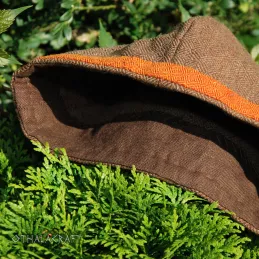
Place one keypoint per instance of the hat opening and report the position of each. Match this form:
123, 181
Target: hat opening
86, 98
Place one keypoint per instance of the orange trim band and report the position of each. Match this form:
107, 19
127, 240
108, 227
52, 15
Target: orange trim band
185, 76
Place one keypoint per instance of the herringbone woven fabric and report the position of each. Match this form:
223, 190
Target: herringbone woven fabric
183, 107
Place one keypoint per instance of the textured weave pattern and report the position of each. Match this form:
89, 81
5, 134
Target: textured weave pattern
203, 44
182, 107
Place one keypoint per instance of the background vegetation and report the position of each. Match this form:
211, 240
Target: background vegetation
117, 214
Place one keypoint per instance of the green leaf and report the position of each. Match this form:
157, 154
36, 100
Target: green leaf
58, 28
248, 40
59, 41
244, 7
67, 4
255, 32
130, 7
4, 58
255, 53
40, 5
4, 62
66, 16
14, 61
3, 54
227, 4
7, 17
196, 10
105, 38
185, 16
16, 12
68, 32
19, 22
6, 37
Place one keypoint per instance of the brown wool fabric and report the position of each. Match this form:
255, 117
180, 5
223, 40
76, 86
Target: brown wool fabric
184, 134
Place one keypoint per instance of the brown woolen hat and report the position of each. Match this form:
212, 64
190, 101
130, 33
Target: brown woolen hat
183, 107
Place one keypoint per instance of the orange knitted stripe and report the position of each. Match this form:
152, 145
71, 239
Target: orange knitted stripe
185, 76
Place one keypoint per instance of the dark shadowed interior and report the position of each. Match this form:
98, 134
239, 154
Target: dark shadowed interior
89, 99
